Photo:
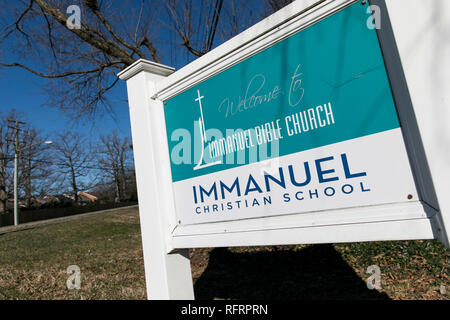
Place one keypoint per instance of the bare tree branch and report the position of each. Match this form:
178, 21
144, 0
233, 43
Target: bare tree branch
138, 22
108, 46
54, 76
85, 60
92, 5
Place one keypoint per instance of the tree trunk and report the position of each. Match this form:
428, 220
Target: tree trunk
3, 194
123, 181
3, 199
117, 187
28, 185
74, 182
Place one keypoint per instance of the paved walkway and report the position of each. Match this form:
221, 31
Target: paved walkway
35, 224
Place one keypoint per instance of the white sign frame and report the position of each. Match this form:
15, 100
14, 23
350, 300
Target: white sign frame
165, 240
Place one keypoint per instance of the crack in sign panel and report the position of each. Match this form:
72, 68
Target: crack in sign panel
360, 75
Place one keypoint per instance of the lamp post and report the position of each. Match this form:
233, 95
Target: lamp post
16, 160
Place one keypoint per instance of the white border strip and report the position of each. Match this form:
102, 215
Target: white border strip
416, 229
377, 213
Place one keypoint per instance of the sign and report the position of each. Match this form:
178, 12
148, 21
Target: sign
302, 129
309, 124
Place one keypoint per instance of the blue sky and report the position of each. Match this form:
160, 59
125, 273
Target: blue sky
21, 90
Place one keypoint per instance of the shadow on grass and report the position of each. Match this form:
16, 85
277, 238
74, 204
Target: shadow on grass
315, 273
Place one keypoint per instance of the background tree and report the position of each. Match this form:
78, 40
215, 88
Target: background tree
6, 158
81, 64
73, 159
36, 172
116, 161
34, 169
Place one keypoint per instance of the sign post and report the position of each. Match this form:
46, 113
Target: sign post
300, 130
168, 275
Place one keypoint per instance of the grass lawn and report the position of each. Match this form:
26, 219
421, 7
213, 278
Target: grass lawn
107, 248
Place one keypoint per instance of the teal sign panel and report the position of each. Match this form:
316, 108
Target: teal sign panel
323, 85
